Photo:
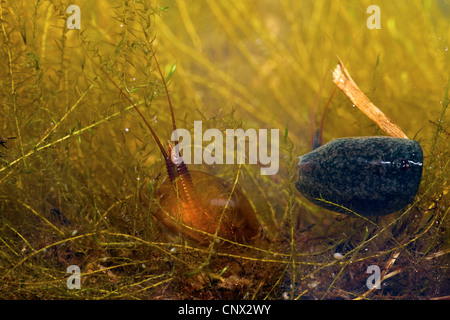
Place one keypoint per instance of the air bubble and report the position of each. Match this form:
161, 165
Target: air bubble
338, 256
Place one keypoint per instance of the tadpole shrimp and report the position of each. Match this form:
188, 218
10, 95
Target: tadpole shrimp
195, 204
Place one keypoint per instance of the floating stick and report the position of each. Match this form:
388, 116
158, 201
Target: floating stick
344, 81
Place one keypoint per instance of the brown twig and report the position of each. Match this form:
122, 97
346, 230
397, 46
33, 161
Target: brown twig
344, 81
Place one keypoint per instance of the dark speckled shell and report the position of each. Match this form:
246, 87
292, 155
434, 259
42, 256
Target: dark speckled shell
368, 175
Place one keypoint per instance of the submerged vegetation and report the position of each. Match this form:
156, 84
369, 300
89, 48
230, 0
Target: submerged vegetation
71, 177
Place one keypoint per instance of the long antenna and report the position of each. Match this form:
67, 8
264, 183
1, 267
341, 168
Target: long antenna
167, 94
163, 151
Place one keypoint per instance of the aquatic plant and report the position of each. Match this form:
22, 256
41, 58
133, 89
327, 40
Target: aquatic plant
70, 180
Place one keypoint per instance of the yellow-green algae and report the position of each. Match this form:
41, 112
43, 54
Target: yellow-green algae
70, 180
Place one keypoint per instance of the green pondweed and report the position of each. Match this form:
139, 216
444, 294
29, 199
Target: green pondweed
80, 149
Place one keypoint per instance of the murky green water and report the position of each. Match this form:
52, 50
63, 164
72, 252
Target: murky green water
69, 181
